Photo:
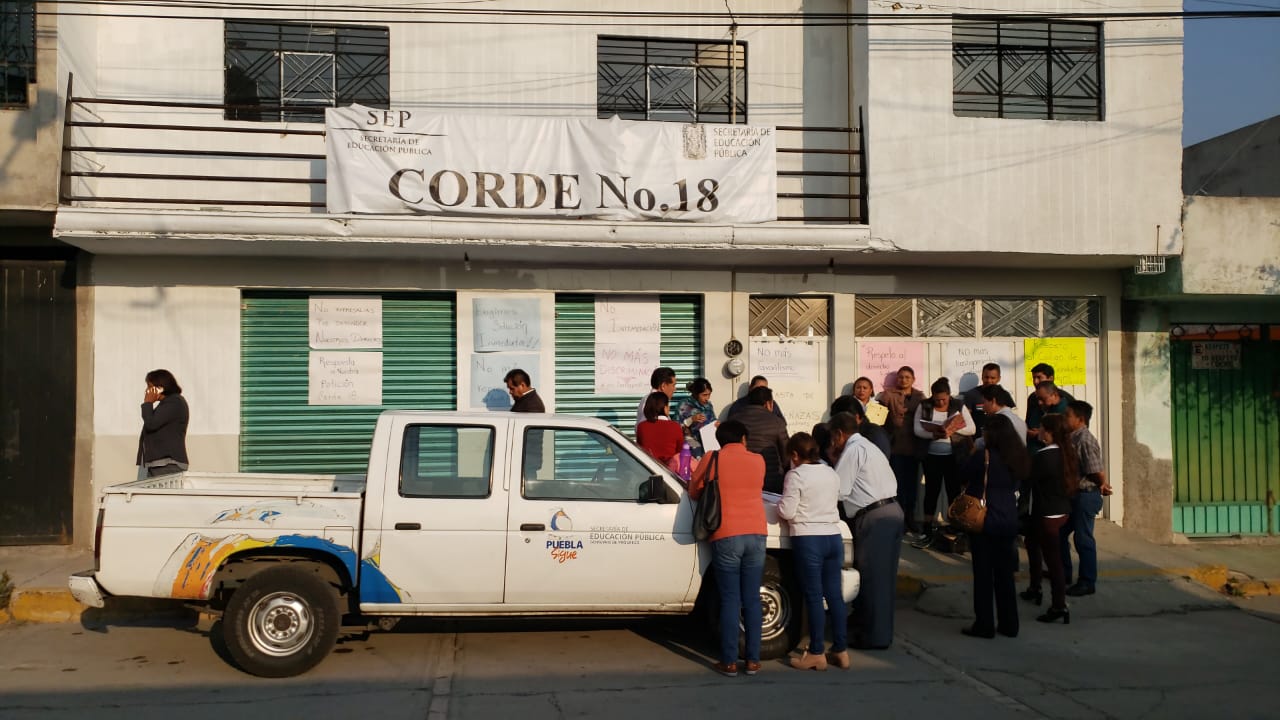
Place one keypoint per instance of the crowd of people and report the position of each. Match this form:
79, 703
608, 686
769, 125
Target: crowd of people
1039, 476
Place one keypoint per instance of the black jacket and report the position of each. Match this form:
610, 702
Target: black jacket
164, 430
766, 435
529, 403
1048, 489
1000, 486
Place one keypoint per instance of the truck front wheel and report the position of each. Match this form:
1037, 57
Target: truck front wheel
281, 622
781, 610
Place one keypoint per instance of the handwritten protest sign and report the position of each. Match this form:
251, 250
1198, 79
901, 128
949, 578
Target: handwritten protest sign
628, 344
488, 370
500, 324
963, 361
344, 322
1066, 355
880, 362
797, 374
344, 378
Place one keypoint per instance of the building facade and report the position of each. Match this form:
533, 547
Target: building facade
949, 190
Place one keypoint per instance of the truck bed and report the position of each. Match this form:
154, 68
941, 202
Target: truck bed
246, 484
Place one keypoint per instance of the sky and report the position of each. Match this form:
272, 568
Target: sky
1231, 69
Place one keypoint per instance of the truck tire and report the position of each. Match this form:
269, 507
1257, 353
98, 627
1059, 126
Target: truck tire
281, 622
781, 610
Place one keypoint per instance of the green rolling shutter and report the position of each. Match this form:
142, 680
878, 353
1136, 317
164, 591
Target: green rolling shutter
1226, 441
280, 432
575, 356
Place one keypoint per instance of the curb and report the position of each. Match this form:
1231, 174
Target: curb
57, 605
1252, 588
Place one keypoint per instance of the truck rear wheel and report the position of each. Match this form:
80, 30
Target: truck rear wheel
281, 622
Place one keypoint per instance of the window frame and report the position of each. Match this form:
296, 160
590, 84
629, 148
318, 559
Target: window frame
1003, 49
489, 460
739, 59
524, 493
21, 9
336, 40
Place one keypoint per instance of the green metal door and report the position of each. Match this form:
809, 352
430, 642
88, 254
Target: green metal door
1226, 434
575, 356
281, 432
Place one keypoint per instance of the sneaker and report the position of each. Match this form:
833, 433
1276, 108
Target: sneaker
752, 667
726, 669
809, 661
839, 659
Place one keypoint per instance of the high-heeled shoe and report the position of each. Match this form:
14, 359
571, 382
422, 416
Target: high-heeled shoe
1053, 614
1032, 595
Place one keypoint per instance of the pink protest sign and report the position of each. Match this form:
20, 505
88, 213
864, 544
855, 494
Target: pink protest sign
880, 361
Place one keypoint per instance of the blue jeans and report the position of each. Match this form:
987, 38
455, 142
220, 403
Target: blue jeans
906, 470
818, 561
1084, 507
739, 566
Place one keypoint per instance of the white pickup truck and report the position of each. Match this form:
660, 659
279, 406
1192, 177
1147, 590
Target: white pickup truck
461, 514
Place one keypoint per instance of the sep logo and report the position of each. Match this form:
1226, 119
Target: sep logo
560, 521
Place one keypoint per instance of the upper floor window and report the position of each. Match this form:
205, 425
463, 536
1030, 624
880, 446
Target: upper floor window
1034, 70
285, 71
674, 80
17, 51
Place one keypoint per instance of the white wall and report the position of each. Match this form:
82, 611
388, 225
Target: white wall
192, 331
946, 183
1232, 246
796, 76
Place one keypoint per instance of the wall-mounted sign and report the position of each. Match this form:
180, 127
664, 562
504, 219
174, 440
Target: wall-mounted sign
344, 378
410, 161
1215, 355
337, 322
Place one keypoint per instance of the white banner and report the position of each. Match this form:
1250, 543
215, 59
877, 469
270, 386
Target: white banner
344, 322
407, 161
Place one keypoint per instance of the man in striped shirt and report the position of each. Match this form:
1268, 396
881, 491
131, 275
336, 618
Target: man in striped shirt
1087, 503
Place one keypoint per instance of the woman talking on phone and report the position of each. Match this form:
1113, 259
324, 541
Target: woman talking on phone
162, 447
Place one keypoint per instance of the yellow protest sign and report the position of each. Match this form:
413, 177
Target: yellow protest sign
1066, 355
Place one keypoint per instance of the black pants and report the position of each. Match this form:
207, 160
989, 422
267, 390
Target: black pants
939, 470
993, 578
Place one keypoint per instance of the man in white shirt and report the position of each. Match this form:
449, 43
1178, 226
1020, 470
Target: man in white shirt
867, 492
661, 380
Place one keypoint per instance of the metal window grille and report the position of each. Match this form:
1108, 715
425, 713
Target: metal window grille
883, 316
17, 52
1011, 318
945, 317
1031, 70
672, 80
1071, 317
286, 71
790, 316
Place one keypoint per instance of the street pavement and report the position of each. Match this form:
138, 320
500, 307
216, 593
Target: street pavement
1151, 647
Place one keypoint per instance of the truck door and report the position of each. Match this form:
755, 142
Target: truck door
581, 532
443, 522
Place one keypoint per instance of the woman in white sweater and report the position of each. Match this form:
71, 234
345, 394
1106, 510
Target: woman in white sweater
810, 496
944, 435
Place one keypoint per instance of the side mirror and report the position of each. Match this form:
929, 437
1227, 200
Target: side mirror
654, 490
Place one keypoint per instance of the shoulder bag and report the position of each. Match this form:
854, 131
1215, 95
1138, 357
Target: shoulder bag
968, 512
706, 516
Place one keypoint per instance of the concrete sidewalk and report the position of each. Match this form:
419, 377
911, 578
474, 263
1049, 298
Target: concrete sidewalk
1242, 567
1246, 568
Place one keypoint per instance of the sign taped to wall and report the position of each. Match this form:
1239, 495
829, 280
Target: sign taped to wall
344, 378
405, 161
1065, 354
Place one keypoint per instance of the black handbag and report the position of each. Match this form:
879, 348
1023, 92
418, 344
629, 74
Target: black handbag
706, 516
